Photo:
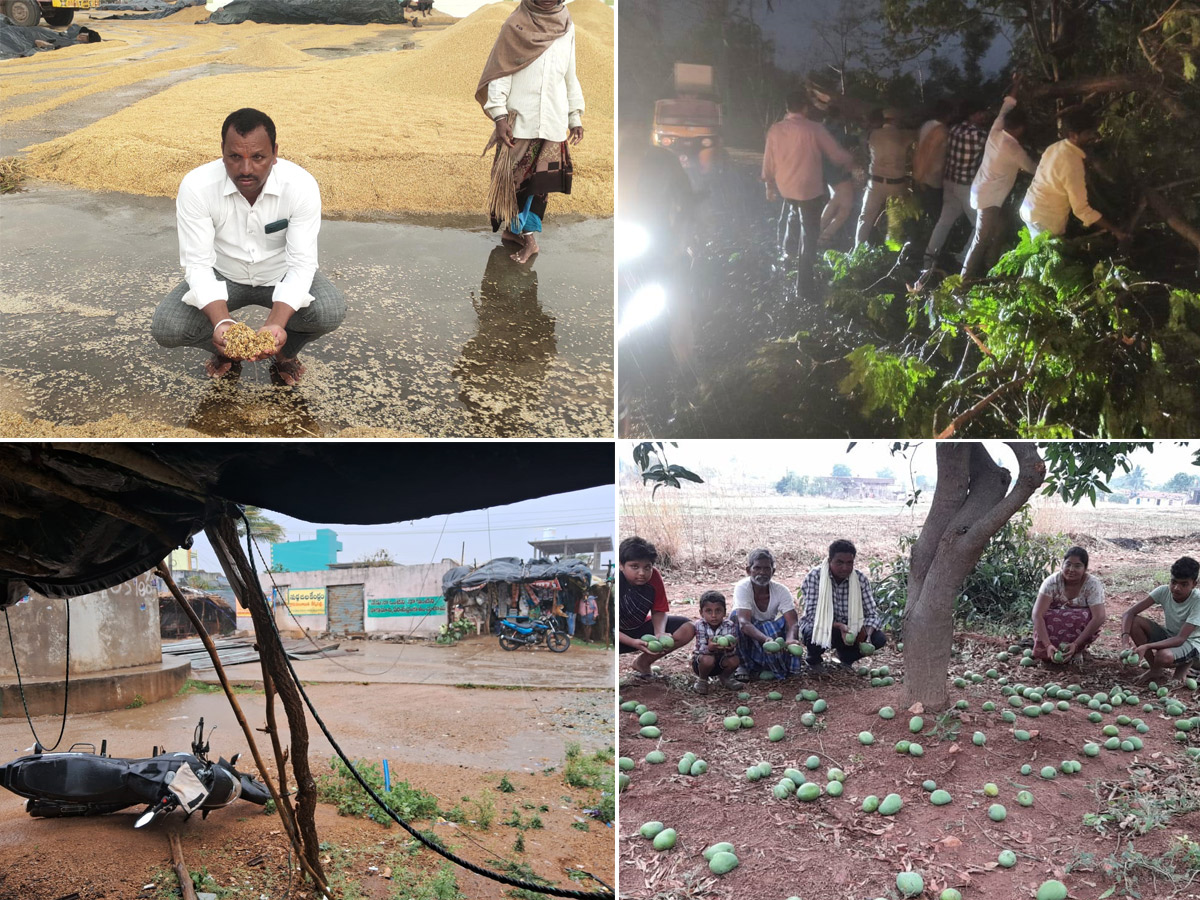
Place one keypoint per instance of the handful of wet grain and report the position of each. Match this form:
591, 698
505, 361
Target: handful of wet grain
243, 342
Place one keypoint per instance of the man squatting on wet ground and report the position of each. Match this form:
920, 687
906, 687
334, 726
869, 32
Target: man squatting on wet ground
531, 93
248, 226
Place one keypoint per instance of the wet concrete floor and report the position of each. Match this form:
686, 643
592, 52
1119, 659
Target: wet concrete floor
445, 335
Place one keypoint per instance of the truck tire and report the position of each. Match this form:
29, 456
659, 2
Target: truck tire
23, 12
58, 18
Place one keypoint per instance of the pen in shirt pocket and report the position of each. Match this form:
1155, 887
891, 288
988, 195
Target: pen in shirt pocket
277, 225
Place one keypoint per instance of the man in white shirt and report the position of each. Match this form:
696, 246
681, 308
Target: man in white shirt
1059, 188
248, 226
1003, 158
530, 91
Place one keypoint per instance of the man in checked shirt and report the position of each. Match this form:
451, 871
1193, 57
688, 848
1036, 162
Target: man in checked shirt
964, 153
839, 609
248, 226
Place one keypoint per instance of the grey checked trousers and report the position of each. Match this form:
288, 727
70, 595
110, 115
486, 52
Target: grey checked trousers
176, 324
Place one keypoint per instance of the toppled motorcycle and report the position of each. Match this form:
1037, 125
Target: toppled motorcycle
81, 783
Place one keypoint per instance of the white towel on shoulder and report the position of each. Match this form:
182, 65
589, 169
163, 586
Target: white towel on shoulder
822, 633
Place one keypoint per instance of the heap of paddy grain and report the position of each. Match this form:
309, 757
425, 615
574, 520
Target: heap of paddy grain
381, 132
265, 52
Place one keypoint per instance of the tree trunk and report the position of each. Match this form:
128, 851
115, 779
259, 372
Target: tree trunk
971, 503
224, 539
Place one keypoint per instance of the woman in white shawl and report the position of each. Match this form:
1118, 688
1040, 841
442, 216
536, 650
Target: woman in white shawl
839, 610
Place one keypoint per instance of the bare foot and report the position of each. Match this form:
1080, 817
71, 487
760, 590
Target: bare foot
526, 253
508, 236
219, 366
286, 372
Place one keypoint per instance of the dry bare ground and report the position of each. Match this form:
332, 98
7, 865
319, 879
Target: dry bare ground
830, 848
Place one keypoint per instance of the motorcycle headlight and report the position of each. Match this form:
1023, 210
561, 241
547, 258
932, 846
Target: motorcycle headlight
632, 241
644, 306
664, 141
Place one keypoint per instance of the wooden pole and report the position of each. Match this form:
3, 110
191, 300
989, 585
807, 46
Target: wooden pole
284, 809
223, 537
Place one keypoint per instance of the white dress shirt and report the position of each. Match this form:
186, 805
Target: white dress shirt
1058, 189
219, 229
544, 99
1003, 157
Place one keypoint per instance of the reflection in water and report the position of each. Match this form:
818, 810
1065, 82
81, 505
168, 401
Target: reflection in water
230, 408
503, 367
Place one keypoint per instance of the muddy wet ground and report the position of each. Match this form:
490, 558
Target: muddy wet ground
445, 335
453, 742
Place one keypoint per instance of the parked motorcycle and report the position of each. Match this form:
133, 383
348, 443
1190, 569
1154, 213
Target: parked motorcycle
93, 784
522, 631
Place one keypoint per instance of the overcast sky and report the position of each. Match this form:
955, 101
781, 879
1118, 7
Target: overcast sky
737, 461
500, 531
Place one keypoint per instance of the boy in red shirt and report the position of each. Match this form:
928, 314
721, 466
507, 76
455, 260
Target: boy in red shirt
642, 602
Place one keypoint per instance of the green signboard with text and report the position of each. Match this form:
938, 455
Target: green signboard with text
405, 606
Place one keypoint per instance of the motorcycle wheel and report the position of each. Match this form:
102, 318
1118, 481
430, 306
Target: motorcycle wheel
558, 642
509, 643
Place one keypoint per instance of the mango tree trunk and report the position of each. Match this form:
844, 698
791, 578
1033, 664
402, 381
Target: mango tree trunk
971, 502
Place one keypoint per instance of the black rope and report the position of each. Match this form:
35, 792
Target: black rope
66, 681
441, 851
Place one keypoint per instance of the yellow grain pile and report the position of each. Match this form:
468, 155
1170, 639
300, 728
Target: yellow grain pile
389, 132
265, 52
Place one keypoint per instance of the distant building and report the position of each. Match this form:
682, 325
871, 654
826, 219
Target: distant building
182, 561
1158, 498
551, 547
849, 487
357, 600
307, 556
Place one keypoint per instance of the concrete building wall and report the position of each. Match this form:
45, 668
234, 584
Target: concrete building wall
403, 599
112, 629
307, 556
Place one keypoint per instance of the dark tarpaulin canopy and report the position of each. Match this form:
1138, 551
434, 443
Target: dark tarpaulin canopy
510, 570
82, 517
310, 12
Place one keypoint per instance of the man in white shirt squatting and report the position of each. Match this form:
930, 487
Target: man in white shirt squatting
1059, 188
531, 93
248, 226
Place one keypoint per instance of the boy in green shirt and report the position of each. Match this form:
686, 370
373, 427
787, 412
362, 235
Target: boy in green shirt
1178, 643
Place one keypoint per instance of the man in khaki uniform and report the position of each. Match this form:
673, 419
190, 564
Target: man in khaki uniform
890, 147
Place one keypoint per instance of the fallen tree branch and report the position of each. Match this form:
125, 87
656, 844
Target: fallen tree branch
965, 417
1174, 220
1111, 84
186, 889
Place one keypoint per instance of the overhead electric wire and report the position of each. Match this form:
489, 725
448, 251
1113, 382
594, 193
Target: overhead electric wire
441, 851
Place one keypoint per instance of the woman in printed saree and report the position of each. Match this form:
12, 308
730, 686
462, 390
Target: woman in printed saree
1069, 610
769, 645
531, 93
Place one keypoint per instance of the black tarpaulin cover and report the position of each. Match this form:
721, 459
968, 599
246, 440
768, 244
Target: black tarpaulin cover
59, 534
510, 570
310, 12
18, 40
